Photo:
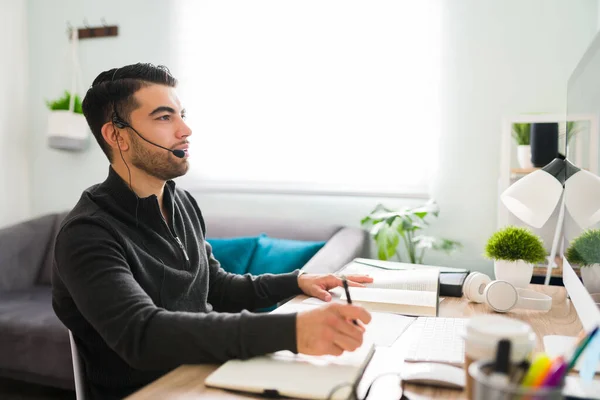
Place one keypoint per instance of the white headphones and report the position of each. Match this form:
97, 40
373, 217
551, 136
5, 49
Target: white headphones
502, 296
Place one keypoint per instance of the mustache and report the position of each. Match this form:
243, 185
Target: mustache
185, 142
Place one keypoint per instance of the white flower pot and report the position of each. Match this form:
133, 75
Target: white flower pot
524, 156
518, 272
591, 278
67, 130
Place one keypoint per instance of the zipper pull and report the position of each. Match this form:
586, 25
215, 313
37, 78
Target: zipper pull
182, 248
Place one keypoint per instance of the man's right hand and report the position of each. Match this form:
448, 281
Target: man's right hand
330, 330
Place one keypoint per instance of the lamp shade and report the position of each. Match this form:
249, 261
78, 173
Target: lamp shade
533, 198
582, 198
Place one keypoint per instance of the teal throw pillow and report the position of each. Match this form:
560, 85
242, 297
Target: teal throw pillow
234, 254
278, 256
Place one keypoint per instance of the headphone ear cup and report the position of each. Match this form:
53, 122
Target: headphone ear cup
475, 285
501, 296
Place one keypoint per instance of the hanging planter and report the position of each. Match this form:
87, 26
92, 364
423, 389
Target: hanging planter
67, 127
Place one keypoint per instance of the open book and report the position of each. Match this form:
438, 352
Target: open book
413, 292
285, 374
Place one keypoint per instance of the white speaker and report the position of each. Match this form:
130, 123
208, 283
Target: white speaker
502, 296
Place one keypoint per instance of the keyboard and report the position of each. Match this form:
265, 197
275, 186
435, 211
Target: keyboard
435, 339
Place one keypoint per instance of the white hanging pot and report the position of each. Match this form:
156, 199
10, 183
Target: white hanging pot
591, 278
518, 273
67, 130
524, 156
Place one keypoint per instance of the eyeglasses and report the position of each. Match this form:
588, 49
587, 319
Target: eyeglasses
385, 386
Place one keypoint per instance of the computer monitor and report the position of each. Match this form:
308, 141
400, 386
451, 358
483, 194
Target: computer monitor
581, 146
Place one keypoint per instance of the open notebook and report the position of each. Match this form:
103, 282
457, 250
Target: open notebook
413, 292
287, 374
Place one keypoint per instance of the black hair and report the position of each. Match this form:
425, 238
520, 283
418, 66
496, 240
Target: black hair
112, 92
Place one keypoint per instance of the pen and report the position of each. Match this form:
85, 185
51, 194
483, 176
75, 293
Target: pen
348, 299
581, 348
555, 374
537, 371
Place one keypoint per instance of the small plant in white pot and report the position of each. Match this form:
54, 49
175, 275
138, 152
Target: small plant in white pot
67, 127
515, 250
521, 133
585, 252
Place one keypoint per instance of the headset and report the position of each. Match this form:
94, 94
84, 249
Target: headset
502, 296
121, 124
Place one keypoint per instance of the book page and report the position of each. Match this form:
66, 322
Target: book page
402, 297
418, 280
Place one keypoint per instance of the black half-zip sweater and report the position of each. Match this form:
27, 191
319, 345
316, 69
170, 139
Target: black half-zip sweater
143, 296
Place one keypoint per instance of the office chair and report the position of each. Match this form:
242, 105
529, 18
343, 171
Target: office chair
77, 370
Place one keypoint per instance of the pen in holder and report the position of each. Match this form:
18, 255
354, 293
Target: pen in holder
485, 387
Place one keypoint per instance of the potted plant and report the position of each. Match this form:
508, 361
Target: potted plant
394, 230
67, 127
514, 251
585, 252
521, 134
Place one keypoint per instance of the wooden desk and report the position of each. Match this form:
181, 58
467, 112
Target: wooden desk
187, 382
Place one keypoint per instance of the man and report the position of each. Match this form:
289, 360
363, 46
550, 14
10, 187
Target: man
134, 279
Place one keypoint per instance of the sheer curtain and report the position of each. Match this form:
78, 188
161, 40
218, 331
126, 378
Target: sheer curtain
327, 96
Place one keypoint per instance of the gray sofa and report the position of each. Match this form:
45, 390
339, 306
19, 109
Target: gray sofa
34, 345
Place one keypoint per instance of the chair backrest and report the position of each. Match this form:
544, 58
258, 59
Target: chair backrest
77, 370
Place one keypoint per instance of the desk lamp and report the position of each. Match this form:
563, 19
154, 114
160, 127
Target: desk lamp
534, 197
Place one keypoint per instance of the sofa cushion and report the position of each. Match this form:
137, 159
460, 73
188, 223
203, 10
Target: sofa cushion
234, 254
23, 250
277, 256
32, 338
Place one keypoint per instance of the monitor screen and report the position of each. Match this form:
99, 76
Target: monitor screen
581, 227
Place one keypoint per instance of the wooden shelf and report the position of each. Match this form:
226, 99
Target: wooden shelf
556, 272
519, 172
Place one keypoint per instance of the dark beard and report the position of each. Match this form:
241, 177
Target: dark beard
158, 163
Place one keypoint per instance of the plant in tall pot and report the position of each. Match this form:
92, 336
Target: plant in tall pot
585, 252
515, 250
521, 134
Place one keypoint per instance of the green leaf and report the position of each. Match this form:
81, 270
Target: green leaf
377, 227
521, 133
387, 240
63, 103
446, 245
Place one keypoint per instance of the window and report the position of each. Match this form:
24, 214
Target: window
311, 96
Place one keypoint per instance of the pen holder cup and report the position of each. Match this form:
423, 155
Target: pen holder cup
485, 388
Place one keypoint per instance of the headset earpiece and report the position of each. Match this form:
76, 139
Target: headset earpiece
119, 123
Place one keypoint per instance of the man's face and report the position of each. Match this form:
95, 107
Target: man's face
160, 119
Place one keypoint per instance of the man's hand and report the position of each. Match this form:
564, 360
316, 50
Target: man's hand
319, 285
329, 330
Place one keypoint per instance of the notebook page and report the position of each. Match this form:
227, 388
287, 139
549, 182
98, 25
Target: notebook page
383, 330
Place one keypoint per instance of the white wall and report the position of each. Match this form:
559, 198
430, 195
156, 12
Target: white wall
500, 58
59, 177
14, 133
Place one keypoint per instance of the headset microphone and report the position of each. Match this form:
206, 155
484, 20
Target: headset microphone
119, 123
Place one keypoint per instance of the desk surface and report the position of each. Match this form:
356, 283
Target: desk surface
187, 381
